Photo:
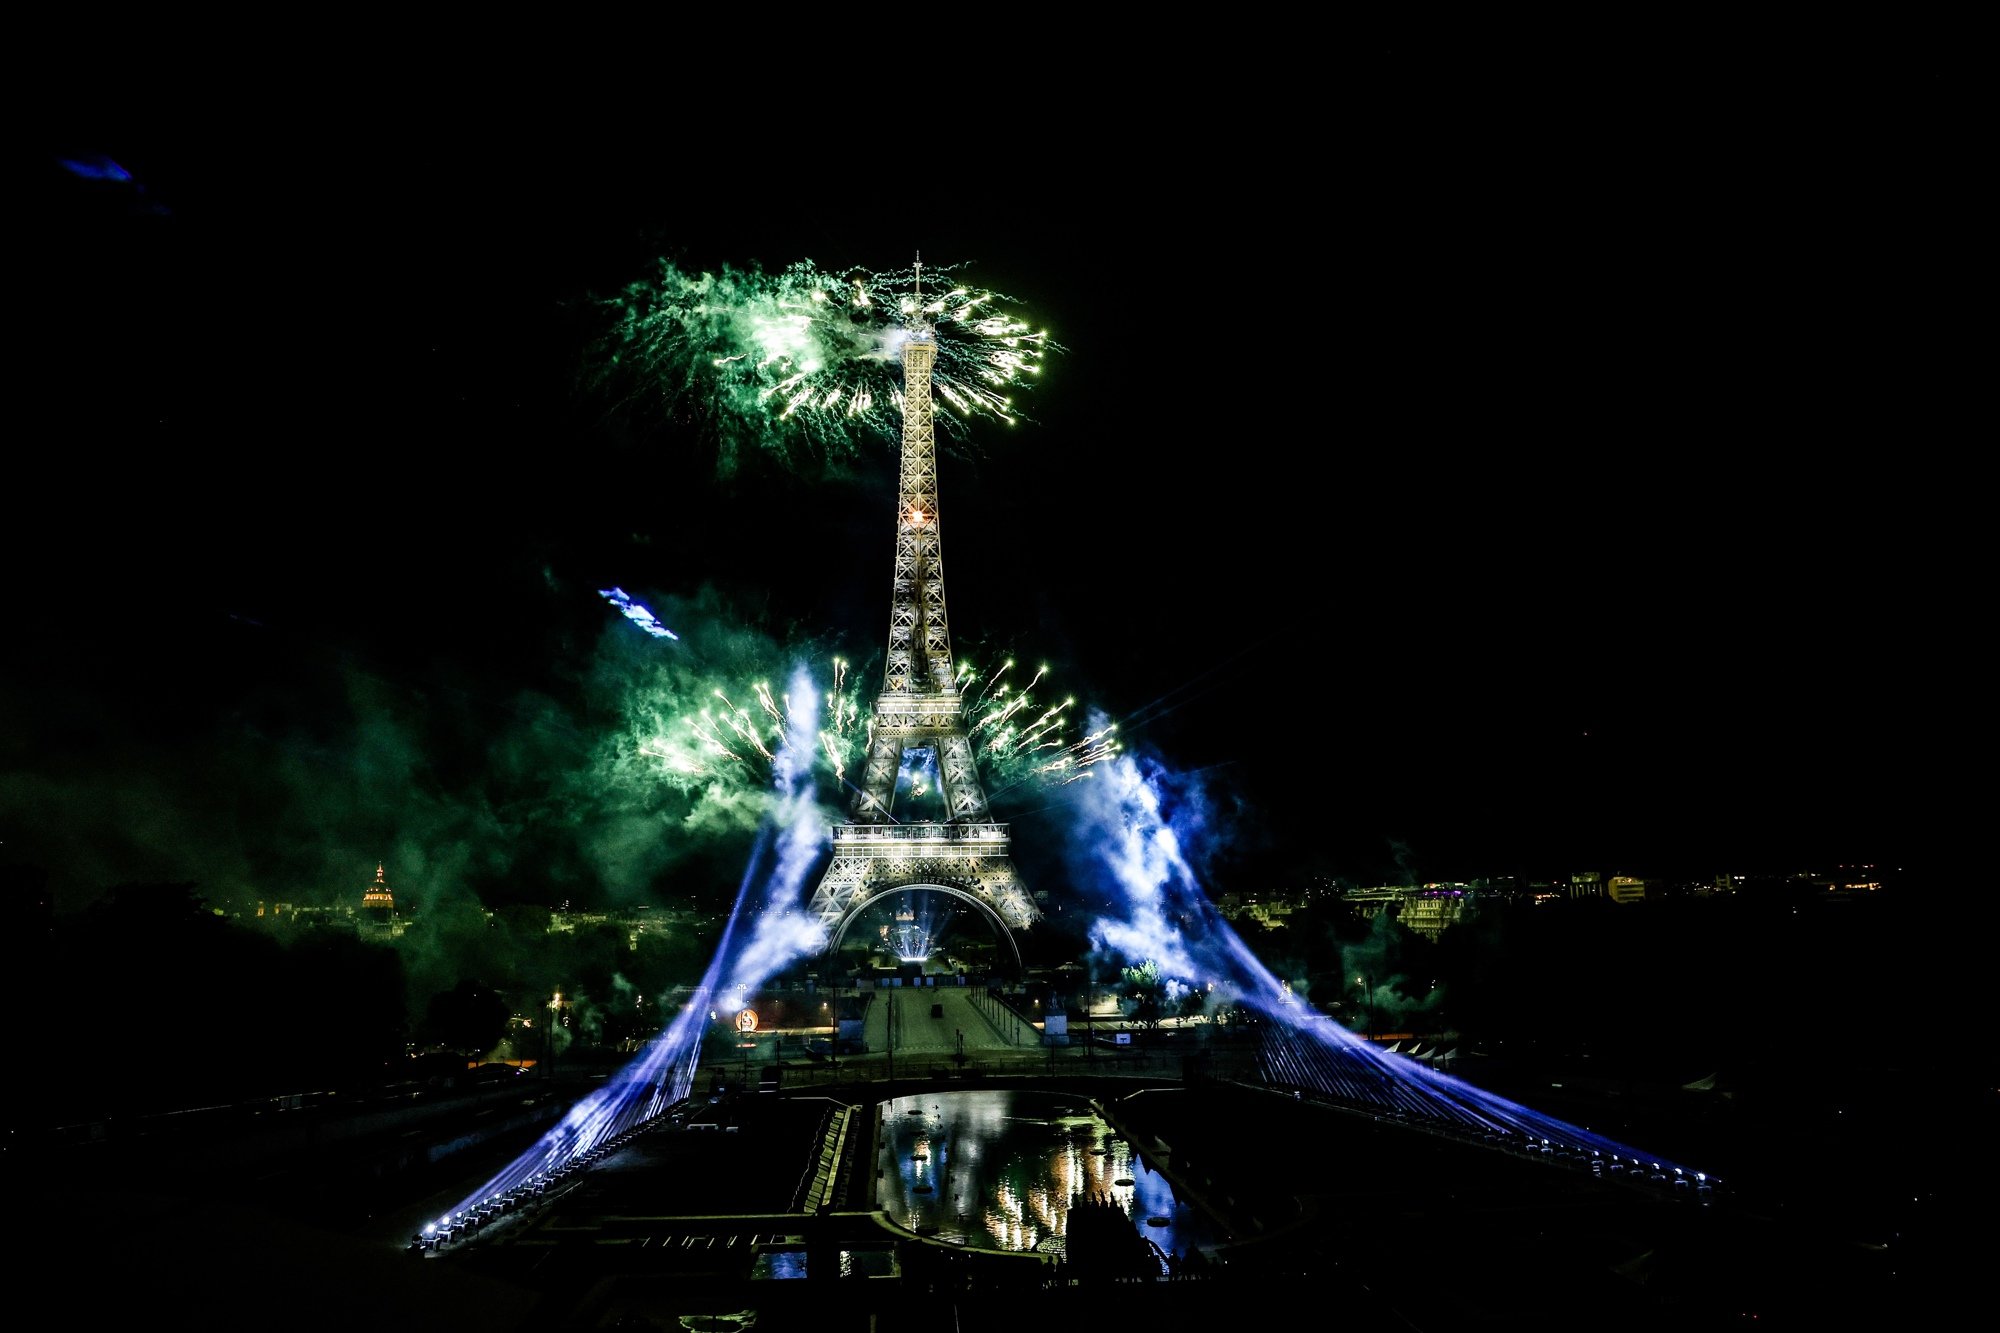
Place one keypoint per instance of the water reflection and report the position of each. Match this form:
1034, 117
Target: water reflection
1000, 1169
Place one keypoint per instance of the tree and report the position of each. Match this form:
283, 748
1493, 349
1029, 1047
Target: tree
1140, 979
469, 1019
336, 1011
1142, 986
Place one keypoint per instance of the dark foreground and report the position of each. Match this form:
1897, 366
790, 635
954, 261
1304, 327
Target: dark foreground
288, 1222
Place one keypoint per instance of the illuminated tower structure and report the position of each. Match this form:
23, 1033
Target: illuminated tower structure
919, 818
377, 902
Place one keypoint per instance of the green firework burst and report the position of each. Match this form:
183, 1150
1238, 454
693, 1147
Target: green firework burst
702, 732
805, 364
704, 721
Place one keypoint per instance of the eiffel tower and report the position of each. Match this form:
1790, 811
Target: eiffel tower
919, 819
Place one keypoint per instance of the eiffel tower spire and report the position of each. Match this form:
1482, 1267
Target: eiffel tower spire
919, 818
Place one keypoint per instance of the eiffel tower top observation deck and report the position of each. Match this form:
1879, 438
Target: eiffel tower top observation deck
919, 819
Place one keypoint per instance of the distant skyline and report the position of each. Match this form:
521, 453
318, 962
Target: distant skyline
409, 898
1470, 505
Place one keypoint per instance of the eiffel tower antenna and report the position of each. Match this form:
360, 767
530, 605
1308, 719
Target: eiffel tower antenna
918, 327
919, 818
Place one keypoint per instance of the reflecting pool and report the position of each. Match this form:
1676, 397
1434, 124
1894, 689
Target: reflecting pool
999, 1170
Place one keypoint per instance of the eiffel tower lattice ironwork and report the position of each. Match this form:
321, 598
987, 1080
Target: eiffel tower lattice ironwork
919, 819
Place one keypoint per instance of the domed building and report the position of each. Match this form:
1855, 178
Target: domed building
378, 906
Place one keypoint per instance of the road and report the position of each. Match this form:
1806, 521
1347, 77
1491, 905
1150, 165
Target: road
942, 1021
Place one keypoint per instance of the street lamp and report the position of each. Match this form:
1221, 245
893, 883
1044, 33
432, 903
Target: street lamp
1367, 985
1089, 999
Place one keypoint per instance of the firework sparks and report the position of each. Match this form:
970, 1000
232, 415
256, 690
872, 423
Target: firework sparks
723, 744
1076, 760
807, 363
715, 734
839, 734
1036, 751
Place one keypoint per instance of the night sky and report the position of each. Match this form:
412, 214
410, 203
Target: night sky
1467, 475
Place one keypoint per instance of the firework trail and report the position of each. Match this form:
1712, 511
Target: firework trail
701, 728
701, 738
711, 729
806, 364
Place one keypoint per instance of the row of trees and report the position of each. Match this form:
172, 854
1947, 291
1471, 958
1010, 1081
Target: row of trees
153, 1000
1670, 990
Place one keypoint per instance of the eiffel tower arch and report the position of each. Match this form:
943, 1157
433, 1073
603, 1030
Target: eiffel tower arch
919, 820
1002, 930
